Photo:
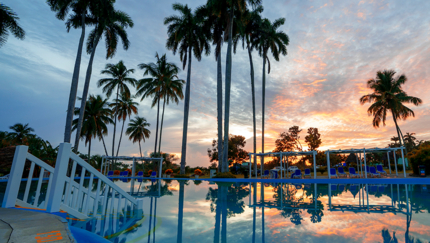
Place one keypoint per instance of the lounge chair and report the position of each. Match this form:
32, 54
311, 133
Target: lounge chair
380, 170
367, 169
140, 174
266, 174
153, 174
373, 172
352, 173
297, 174
125, 173
341, 172
110, 173
307, 173
332, 172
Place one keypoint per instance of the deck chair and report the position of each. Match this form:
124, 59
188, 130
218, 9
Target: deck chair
266, 174
341, 172
140, 174
352, 173
380, 170
125, 173
297, 174
367, 169
332, 172
307, 173
373, 172
153, 174
110, 173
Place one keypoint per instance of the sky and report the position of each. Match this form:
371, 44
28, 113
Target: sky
335, 47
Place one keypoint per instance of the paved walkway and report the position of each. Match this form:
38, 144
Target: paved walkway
19, 226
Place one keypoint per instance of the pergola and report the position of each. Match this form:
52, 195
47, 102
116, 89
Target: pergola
283, 159
108, 161
364, 151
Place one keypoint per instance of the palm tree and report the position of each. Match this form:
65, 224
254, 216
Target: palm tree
97, 117
163, 74
123, 107
186, 35
137, 131
8, 23
228, 8
21, 132
269, 38
388, 95
409, 140
250, 24
120, 79
111, 23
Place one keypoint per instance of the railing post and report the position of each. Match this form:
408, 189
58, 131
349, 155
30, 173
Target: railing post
160, 170
59, 179
15, 176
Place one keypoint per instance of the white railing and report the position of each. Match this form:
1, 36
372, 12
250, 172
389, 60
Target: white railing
68, 193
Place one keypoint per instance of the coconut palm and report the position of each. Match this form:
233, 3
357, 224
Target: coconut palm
97, 117
228, 8
123, 107
21, 132
409, 140
162, 74
269, 38
137, 131
388, 96
248, 28
79, 18
9, 23
112, 24
120, 79
186, 35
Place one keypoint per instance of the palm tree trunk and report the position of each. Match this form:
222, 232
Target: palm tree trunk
224, 190
140, 149
219, 109
120, 137
186, 113
397, 129
114, 124
263, 105
85, 94
89, 151
217, 216
161, 125
74, 87
156, 131
227, 95
254, 126
104, 145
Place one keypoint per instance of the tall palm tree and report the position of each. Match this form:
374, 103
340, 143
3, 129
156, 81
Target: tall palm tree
112, 24
409, 140
21, 132
269, 38
97, 117
228, 8
9, 23
186, 35
389, 96
137, 131
248, 29
162, 73
123, 107
120, 79
80, 17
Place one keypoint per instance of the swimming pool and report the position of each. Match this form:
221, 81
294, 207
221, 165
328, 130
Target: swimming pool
202, 211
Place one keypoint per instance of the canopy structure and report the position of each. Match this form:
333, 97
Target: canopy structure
283, 156
370, 150
108, 161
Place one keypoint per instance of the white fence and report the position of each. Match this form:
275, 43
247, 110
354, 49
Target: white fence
63, 191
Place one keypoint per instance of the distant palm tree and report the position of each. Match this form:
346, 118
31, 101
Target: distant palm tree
410, 139
123, 107
120, 79
97, 117
269, 38
137, 131
186, 35
388, 96
21, 132
8, 23
111, 23
163, 82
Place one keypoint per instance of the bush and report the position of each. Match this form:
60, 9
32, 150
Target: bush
224, 175
181, 176
322, 169
197, 172
399, 167
420, 156
168, 171
116, 172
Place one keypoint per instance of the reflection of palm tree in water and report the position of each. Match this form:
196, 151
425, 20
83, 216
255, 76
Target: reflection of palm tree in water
387, 237
180, 210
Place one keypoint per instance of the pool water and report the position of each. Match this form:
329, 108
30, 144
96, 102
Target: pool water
202, 211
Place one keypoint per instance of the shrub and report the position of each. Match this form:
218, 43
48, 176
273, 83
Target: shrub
322, 169
224, 175
181, 176
197, 172
116, 172
149, 172
420, 156
168, 171
129, 171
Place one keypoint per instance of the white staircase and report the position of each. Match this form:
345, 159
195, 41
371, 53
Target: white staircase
62, 191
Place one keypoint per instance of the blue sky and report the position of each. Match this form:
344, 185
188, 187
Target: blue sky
335, 46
